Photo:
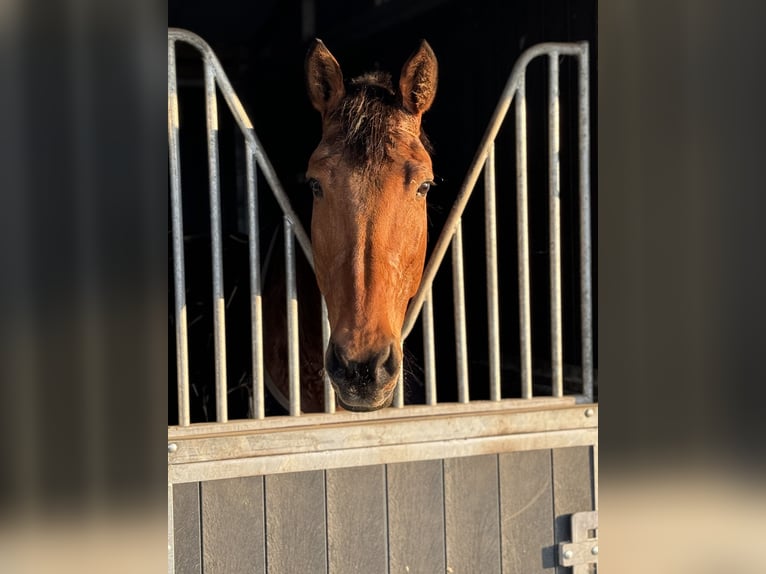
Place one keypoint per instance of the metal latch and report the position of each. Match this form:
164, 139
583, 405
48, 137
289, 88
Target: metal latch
583, 550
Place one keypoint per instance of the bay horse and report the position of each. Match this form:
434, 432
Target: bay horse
369, 176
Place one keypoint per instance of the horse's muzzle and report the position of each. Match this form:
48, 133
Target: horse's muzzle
367, 384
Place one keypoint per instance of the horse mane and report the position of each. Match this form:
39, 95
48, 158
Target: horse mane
368, 116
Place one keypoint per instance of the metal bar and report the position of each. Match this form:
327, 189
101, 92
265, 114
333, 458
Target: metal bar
458, 294
219, 302
179, 281
586, 291
554, 225
429, 349
293, 361
493, 305
284, 203
246, 126
525, 323
329, 392
464, 193
256, 303
398, 401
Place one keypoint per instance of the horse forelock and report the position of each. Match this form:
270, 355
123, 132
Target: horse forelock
370, 118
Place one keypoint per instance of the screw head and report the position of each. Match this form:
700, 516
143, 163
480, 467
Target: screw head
172, 447
568, 554
594, 550
589, 412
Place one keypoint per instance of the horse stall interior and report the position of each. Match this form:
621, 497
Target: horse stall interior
487, 459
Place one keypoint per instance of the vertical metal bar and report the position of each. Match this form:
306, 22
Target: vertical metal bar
586, 293
398, 401
493, 306
219, 304
458, 294
293, 362
554, 225
179, 281
256, 303
525, 328
429, 348
329, 392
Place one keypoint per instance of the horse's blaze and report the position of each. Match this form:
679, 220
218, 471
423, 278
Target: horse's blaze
369, 175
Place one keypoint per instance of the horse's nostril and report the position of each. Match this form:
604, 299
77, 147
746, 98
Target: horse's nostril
380, 359
335, 362
376, 368
388, 361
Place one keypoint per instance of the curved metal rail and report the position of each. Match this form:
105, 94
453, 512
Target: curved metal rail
484, 160
215, 78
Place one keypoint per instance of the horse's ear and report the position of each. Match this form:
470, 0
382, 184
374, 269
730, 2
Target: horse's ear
324, 79
418, 80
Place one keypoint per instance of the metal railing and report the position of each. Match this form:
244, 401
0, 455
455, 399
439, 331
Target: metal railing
215, 80
515, 92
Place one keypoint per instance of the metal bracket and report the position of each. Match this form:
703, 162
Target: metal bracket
583, 550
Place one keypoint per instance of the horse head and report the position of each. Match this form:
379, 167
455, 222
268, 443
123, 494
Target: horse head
369, 175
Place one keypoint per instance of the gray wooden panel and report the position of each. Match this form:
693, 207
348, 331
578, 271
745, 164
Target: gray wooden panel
186, 527
526, 504
471, 500
296, 541
356, 520
232, 526
572, 489
416, 517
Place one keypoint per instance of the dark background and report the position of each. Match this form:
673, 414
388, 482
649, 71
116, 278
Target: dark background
262, 46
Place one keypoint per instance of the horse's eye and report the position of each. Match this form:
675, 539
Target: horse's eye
424, 187
315, 187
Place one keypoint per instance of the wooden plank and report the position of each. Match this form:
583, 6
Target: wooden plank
356, 520
416, 517
347, 457
296, 541
407, 411
414, 430
472, 520
186, 527
233, 526
526, 505
572, 490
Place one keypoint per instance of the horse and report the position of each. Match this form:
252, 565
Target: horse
369, 176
